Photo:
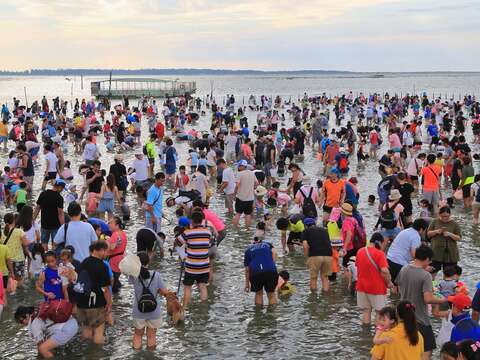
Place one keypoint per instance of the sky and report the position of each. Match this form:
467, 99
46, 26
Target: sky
355, 35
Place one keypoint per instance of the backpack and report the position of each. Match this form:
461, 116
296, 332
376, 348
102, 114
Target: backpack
59, 311
343, 164
147, 302
308, 208
359, 236
82, 289
388, 218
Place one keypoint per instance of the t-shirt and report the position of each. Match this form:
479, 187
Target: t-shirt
52, 161
246, 184
258, 258
306, 190
155, 198
318, 241
30, 234
230, 142
96, 185
333, 192
197, 244
211, 217
97, 271
444, 248
400, 249
348, 227
431, 177
14, 244
369, 279
80, 235
4, 255
141, 169
400, 348
119, 239
155, 285
90, 152
413, 283
229, 177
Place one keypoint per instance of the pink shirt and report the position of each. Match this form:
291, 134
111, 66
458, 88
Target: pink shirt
394, 141
121, 245
348, 226
214, 220
299, 198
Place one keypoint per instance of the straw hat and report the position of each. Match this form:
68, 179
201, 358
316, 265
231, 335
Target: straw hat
394, 195
347, 209
260, 191
118, 157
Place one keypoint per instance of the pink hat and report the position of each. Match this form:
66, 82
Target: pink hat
335, 214
283, 199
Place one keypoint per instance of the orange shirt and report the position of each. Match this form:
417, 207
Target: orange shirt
333, 192
431, 177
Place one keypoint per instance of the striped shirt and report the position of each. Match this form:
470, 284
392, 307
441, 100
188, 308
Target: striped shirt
197, 242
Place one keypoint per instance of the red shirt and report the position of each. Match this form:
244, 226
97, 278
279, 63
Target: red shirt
369, 280
160, 130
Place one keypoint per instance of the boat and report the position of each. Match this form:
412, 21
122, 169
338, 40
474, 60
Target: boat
139, 87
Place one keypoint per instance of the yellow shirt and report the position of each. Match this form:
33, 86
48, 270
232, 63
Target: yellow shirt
15, 244
439, 162
4, 255
3, 129
399, 348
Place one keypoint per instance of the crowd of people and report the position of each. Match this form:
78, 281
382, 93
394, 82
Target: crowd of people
76, 253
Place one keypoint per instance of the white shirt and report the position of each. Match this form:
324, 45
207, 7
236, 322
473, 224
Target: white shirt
90, 151
246, 184
141, 169
31, 233
52, 161
231, 142
229, 177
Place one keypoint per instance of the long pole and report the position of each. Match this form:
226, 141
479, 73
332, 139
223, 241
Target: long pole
110, 86
25, 91
81, 79
211, 90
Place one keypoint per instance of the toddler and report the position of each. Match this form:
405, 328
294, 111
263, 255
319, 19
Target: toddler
387, 319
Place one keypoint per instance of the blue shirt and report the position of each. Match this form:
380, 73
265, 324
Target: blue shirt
400, 250
194, 158
350, 194
80, 235
52, 283
155, 198
465, 328
258, 257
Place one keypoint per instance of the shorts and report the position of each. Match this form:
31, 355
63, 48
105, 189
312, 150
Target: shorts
319, 264
429, 343
190, 279
439, 265
18, 268
294, 237
140, 324
66, 333
390, 233
243, 207
370, 301
432, 197
93, 317
394, 269
229, 198
50, 176
466, 191
157, 227
106, 205
264, 280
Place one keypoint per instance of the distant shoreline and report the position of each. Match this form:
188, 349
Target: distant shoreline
217, 72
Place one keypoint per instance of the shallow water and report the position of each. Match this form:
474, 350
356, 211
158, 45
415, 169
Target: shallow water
306, 326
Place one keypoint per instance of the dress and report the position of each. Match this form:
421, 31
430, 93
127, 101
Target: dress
106, 202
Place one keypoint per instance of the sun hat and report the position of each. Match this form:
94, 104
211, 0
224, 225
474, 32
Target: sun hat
260, 191
309, 221
394, 195
347, 209
461, 301
242, 163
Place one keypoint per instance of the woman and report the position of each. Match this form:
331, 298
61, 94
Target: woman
373, 277
170, 160
30, 228
152, 320
405, 342
108, 194
46, 334
116, 251
17, 243
466, 181
295, 182
200, 182
349, 224
119, 171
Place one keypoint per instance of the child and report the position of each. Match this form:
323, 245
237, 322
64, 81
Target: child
203, 160
260, 192
38, 260
260, 230
284, 287
446, 287
66, 270
371, 200
426, 209
67, 174
351, 273
387, 319
109, 144
193, 158
21, 196
71, 195
49, 283
181, 179
336, 240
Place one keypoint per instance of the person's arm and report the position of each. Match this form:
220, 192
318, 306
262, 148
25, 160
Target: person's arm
432, 233
36, 212
436, 312
61, 216
39, 287
283, 239
428, 298
385, 273
452, 236
117, 195
108, 298
306, 248
10, 267
92, 179
274, 255
247, 279
102, 190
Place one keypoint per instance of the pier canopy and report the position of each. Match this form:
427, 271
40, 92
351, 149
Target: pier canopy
138, 87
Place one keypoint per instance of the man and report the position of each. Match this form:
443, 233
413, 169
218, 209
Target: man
94, 180
93, 307
261, 271
228, 184
90, 151
444, 233
153, 215
230, 147
50, 203
318, 249
76, 233
50, 165
141, 166
244, 191
431, 182
402, 250
415, 284
150, 147
197, 262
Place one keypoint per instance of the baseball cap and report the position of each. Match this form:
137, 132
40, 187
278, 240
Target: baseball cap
461, 301
184, 221
242, 163
309, 221
60, 182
